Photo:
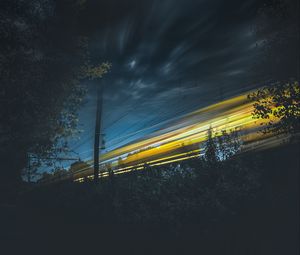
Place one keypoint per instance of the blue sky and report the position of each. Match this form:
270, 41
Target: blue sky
168, 58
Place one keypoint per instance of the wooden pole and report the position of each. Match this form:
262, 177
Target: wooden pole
97, 132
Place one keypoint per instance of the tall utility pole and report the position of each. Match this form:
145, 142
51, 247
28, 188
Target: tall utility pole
97, 131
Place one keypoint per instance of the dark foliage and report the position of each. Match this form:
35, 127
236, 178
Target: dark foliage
43, 56
281, 101
246, 204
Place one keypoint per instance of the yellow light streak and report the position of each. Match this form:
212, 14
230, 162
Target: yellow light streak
165, 146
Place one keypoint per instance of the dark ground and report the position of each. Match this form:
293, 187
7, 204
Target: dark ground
46, 220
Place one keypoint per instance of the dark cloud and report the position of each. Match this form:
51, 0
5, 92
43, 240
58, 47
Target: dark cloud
169, 57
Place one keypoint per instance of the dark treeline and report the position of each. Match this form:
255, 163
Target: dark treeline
245, 205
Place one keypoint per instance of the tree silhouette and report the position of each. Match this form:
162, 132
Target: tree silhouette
43, 58
221, 146
281, 101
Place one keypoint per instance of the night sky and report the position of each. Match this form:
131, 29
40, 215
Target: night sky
168, 58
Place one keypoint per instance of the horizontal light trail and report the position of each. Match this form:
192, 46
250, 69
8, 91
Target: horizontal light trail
182, 139
150, 164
